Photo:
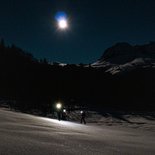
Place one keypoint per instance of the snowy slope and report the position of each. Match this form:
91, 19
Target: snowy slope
124, 57
27, 135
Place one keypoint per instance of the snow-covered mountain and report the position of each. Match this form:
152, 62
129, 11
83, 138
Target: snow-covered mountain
125, 57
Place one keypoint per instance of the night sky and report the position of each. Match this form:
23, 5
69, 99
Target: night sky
94, 25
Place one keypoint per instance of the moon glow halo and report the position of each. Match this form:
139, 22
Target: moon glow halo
62, 21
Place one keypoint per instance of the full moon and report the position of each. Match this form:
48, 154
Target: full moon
63, 24
62, 20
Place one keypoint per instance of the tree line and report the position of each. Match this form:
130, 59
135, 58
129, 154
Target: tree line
34, 84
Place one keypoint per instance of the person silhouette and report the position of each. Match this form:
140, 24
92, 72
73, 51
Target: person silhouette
83, 115
59, 115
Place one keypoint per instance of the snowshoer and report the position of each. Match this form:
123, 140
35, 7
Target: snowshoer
83, 115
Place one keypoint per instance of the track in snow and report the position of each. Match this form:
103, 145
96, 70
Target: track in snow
29, 135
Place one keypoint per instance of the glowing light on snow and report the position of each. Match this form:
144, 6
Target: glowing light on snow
62, 123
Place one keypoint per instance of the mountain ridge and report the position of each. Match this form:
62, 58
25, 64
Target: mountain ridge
123, 57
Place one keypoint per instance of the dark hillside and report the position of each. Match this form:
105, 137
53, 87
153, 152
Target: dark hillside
38, 85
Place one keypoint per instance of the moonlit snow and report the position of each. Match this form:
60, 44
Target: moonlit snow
29, 135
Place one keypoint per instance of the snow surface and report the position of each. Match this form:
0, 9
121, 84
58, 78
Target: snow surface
118, 68
25, 134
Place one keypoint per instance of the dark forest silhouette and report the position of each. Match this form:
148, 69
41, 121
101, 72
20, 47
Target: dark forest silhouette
32, 84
